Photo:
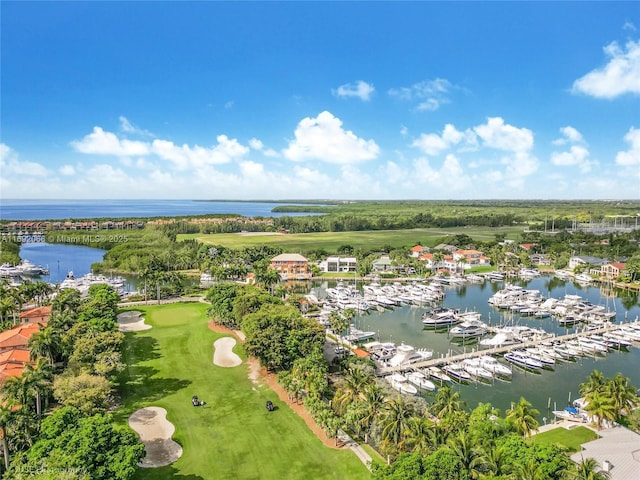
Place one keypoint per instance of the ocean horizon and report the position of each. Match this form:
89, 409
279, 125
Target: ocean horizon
65, 209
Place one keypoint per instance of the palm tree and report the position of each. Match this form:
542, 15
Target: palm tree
601, 406
595, 382
447, 402
530, 470
588, 469
420, 436
353, 384
7, 410
494, 460
462, 445
39, 376
523, 417
46, 344
623, 395
395, 421
371, 407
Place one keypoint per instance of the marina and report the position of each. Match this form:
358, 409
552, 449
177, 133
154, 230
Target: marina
569, 361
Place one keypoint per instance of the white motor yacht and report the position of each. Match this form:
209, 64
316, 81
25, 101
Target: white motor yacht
420, 380
406, 355
494, 366
400, 383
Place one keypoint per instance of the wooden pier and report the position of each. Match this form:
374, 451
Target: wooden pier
382, 371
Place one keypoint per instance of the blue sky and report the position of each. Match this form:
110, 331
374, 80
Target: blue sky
340, 100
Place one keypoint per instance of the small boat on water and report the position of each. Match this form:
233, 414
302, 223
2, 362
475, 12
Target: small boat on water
469, 329
523, 360
494, 366
440, 318
457, 371
475, 368
420, 380
400, 383
439, 375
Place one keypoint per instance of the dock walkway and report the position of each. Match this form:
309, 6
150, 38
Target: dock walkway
496, 350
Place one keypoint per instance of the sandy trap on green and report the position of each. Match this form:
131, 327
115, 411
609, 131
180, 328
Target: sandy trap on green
223, 355
131, 322
155, 431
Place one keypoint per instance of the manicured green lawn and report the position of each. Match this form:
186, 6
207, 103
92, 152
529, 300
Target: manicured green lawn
370, 239
233, 436
572, 439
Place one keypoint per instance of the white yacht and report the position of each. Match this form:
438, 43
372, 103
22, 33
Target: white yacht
420, 380
475, 368
469, 329
400, 383
439, 375
494, 366
457, 371
407, 355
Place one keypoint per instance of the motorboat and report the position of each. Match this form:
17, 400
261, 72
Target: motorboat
420, 380
572, 414
494, 366
583, 278
522, 360
400, 383
440, 317
406, 355
457, 371
469, 329
357, 336
439, 375
475, 368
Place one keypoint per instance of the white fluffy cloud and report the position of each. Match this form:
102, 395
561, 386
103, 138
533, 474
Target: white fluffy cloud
577, 155
100, 142
620, 75
257, 145
434, 144
496, 134
569, 135
631, 157
185, 156
323, 138
359, 89
67, 170
127, 127
428, 95
10, 164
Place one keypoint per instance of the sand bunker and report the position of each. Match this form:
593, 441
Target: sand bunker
131, 322
155, 432
223, 355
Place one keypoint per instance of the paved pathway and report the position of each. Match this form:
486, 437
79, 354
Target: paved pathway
355, 447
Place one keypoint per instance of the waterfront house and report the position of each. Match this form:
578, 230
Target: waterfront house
612, 270
469, 259
291, 266
382, 265
585, 260
540, 259
336, 263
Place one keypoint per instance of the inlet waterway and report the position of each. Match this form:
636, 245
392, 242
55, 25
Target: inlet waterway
543, 390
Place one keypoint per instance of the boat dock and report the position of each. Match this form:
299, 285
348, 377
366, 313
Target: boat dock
387, 370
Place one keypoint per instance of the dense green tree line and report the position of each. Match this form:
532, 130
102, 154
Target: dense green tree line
52, 417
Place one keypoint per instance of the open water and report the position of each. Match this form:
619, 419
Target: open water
404, 325
13, 209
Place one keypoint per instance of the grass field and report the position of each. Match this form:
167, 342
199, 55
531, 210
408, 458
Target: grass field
370, 239
233, 436
572, 439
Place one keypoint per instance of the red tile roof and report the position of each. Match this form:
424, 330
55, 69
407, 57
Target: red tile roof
17, 336
37, 312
